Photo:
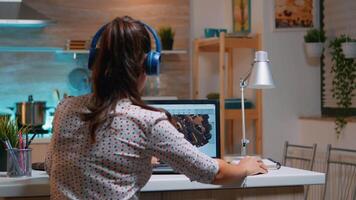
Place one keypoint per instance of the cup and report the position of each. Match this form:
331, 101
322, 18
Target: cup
19, 162
209, 32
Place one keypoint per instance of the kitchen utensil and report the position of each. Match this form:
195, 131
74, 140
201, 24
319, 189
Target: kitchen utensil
79, 79
30, 113
56, 96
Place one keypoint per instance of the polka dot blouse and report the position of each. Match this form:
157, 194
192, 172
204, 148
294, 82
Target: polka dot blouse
118, 165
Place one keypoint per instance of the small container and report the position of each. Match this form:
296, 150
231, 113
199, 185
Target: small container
349, 49
19, 162
209, 32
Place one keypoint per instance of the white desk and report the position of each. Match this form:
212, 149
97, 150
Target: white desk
38, 184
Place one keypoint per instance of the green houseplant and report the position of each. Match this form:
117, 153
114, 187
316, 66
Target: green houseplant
314, 42
9, 130
166, 35
343, 84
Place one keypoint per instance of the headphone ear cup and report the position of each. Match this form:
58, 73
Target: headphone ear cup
91, 58
152, 63
93, 51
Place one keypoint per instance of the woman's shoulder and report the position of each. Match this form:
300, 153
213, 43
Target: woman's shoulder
73, 102
138, 113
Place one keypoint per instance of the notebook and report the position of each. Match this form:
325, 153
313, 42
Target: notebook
198, 120
270, 163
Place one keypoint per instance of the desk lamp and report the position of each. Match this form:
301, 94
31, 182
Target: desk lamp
259, 77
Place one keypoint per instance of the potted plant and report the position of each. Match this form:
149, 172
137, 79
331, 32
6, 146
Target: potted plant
314, 42
343, 83
166, 35
349, 48
9, 130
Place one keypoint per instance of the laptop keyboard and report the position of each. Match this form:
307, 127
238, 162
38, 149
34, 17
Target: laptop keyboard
163, 168
161, 165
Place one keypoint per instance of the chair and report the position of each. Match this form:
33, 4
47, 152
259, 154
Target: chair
299, 156
340, 174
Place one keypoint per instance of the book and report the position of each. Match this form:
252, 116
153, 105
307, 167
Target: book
270, 163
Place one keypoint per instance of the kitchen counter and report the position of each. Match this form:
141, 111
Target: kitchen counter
38, 184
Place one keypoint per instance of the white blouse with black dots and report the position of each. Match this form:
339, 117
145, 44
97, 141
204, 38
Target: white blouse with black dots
118, 165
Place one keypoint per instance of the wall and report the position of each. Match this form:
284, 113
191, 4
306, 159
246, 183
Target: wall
297, 79
22, 74
297, 91
322, 133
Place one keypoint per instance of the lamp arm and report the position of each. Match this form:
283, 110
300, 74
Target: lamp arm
243, 82
243, 85
244, 141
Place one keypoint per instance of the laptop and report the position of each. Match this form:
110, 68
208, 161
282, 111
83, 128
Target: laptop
198, 120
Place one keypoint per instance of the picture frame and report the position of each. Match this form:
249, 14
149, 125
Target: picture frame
241, 17
294, 15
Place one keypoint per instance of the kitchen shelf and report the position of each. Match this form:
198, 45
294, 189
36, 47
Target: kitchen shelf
31, 49
38, 49
76, 51
165, 52
175, 51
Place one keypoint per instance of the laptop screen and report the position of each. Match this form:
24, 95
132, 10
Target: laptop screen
198, 120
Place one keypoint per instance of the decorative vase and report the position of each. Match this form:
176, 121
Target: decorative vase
349, 49
3, 158
314, 49
167, 44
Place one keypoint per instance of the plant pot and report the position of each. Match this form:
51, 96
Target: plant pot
167, 44
3, 158
314, 49
349, 49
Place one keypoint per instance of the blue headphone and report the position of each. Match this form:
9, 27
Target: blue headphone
153, 58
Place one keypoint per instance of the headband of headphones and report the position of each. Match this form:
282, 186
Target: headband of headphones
152, 60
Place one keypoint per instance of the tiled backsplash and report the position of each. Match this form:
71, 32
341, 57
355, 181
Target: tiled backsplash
37, 74
40, 74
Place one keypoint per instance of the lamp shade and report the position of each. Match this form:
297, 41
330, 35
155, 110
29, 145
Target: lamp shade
261, 77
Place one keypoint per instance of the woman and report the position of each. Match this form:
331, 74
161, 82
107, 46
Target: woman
102, 143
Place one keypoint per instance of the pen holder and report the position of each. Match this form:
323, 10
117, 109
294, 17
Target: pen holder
19, 162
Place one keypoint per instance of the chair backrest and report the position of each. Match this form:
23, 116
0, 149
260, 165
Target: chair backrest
340, 174
299, 156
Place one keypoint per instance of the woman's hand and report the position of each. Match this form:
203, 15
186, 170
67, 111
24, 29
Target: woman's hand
229, 173
154, 161
252, 166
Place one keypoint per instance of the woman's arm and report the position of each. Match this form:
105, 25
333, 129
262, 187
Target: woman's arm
235, 173
169, 145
